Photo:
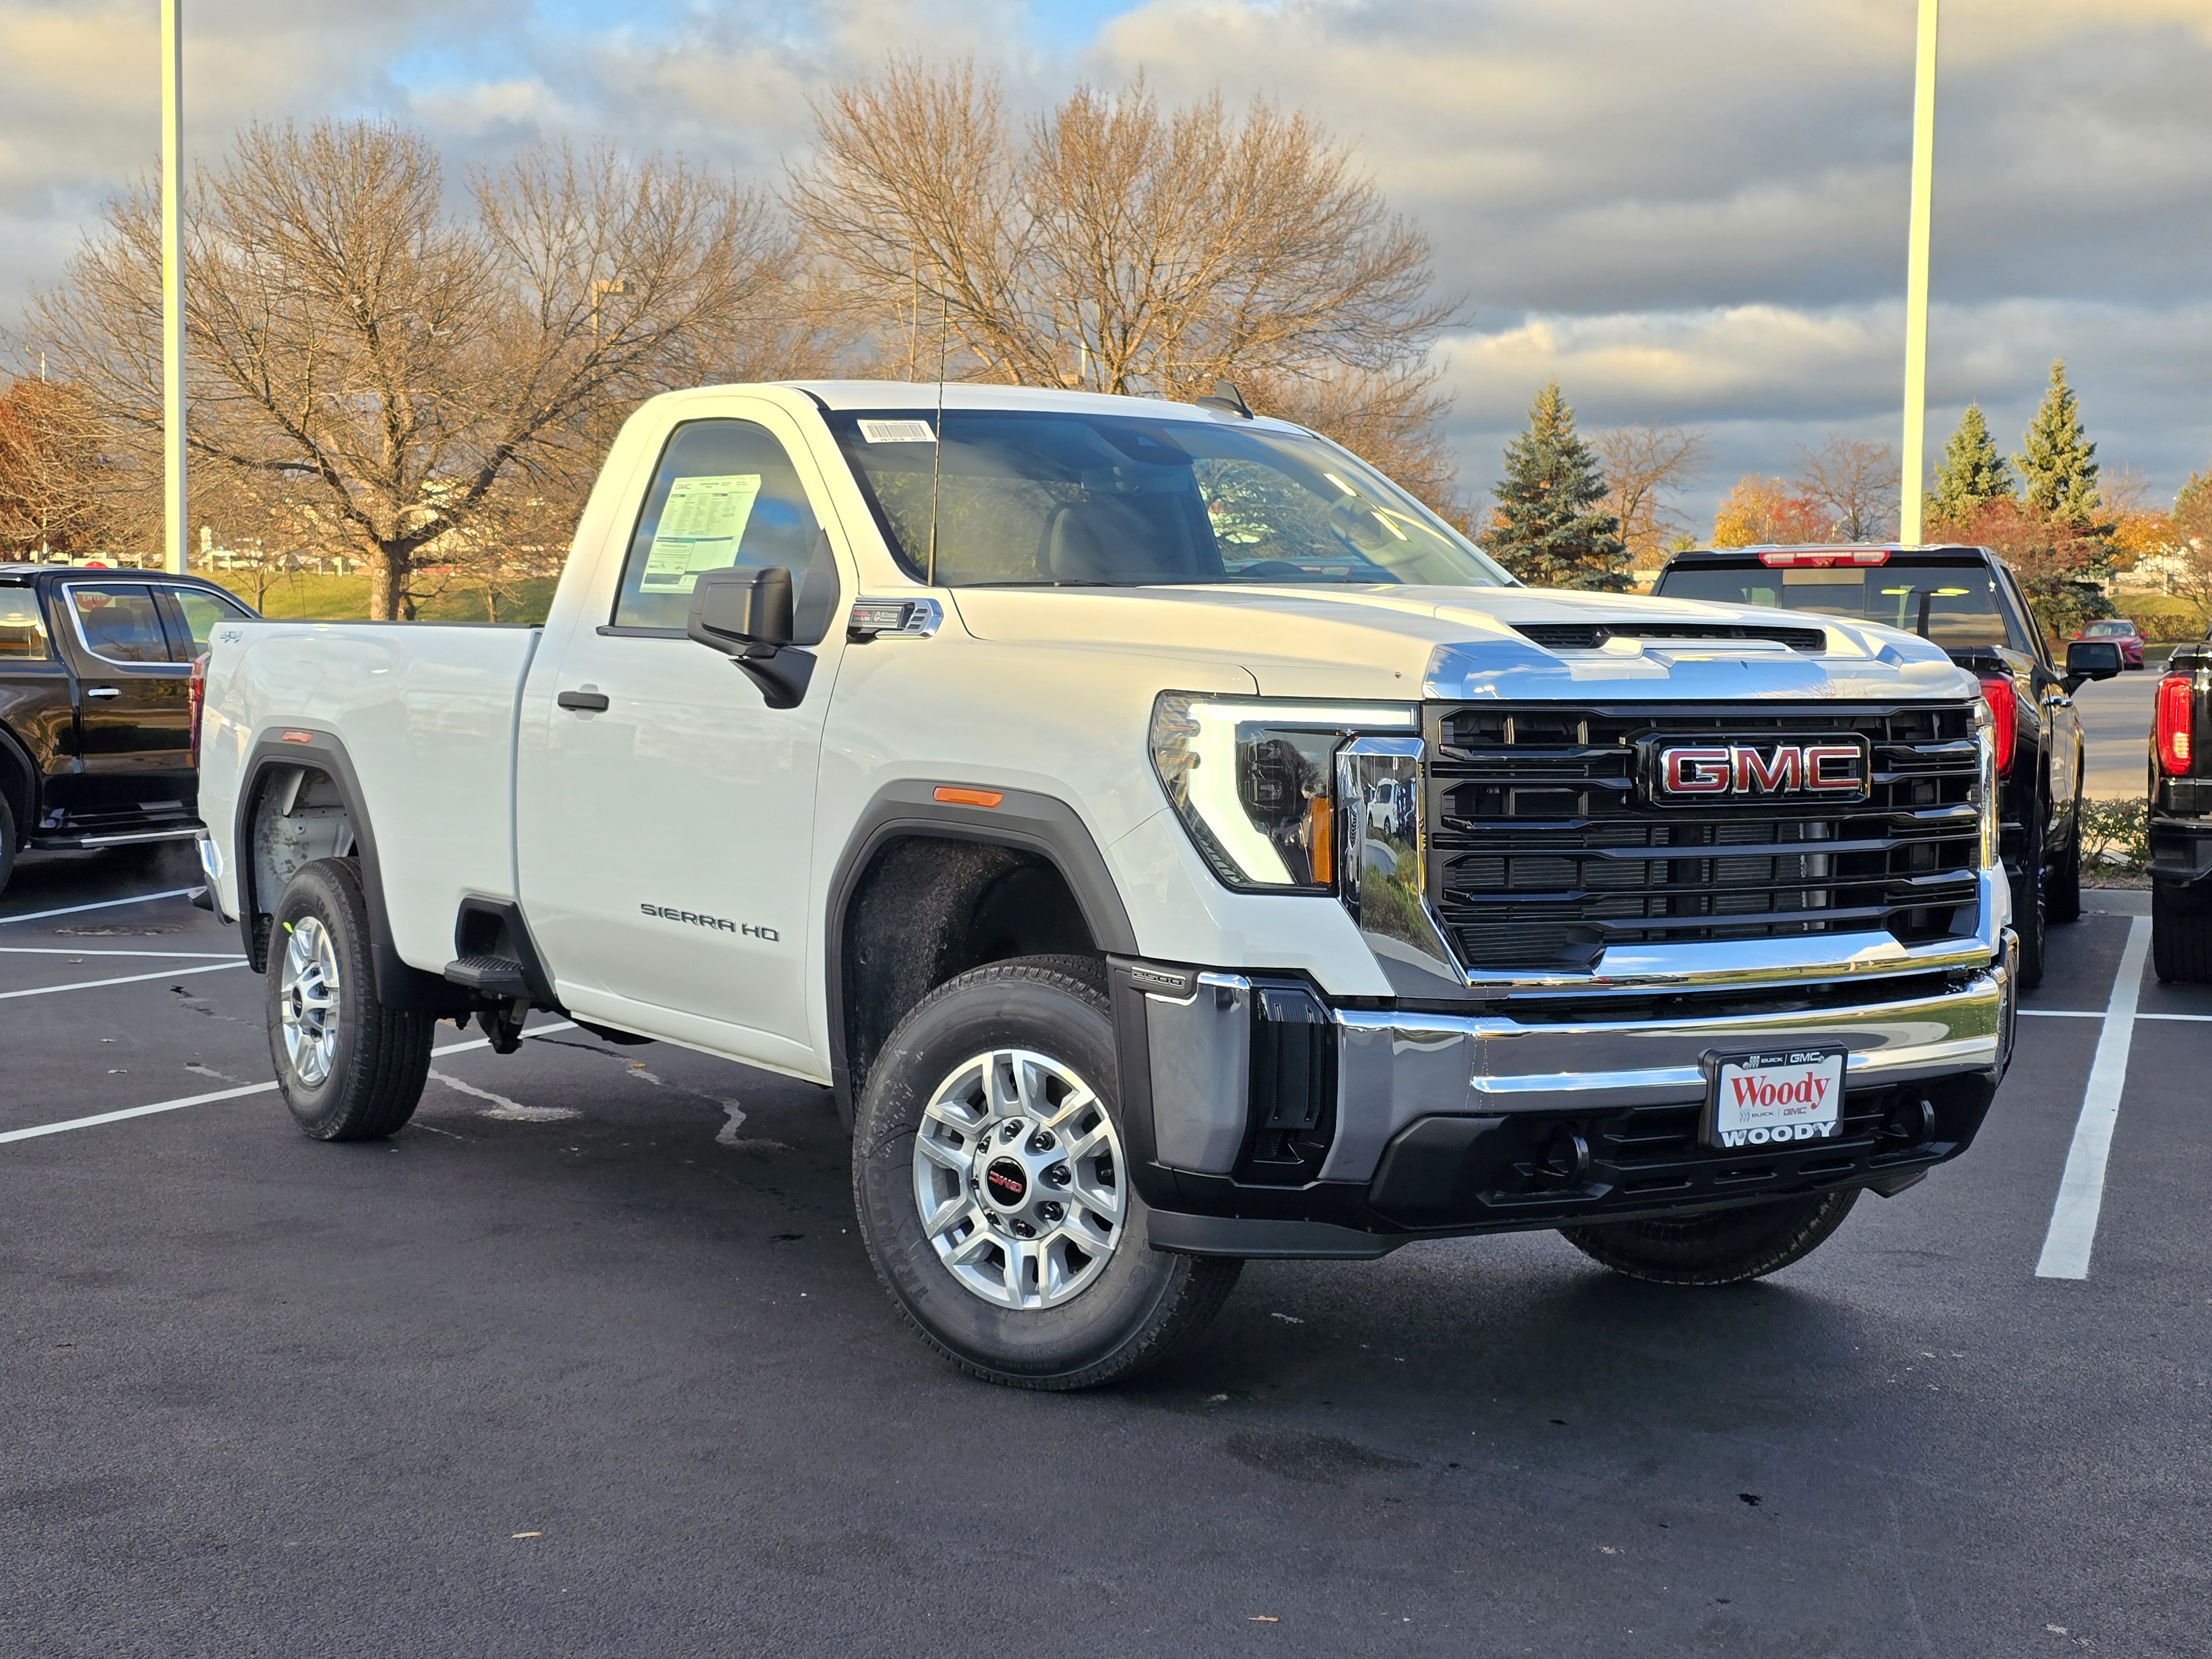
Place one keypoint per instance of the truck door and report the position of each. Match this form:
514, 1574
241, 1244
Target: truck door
663, 813
133, 714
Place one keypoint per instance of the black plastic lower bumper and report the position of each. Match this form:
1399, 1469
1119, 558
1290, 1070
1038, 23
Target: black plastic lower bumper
1451, 1177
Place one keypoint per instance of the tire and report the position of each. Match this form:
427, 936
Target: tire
2061, 899
350, 1068
977, 1292
2031, 909
7, 843
1725, 1248
2180, 936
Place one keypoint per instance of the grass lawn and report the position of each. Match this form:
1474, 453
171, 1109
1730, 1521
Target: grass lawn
345, 599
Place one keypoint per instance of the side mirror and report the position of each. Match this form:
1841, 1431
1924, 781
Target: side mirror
742, 612
2091, 659
746, 615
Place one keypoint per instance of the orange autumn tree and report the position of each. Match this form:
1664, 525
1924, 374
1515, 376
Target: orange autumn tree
1760, 511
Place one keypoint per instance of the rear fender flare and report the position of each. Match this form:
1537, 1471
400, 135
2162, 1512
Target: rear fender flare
398, 984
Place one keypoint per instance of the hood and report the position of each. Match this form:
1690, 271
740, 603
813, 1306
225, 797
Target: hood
1462, 643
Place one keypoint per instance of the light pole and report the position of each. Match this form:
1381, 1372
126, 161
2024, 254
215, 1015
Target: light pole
1915, 460
174, 512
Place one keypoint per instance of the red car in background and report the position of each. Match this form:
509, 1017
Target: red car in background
2121, 630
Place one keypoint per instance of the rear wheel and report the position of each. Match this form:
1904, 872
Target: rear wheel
1725, 1248
7, 843
2181, 936
2030, 908
350, 1068
994, 1191
2061, 900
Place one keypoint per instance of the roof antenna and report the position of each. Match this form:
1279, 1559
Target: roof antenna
937, 453
1225, 398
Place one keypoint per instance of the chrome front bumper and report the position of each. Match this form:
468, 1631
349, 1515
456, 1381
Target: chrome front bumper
1393, 1067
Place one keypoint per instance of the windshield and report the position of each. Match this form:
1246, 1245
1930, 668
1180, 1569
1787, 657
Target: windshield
1036, 498
2108, 630
1952, 604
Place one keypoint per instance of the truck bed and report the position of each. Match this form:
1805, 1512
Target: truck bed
425, 713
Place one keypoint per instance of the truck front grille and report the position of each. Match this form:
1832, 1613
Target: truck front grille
1543, 851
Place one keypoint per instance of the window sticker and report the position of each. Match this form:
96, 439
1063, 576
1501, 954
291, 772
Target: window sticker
897, 432
701, 525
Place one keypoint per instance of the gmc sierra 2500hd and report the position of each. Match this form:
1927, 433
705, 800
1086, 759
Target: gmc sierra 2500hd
1172, 843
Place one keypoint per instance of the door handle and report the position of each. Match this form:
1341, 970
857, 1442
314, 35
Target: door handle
593, 702
104, 691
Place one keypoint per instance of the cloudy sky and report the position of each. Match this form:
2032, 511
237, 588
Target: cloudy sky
1683, 209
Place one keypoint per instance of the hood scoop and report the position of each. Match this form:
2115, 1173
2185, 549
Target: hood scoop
1592, 636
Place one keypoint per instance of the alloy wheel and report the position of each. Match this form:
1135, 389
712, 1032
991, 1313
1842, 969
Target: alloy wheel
1018, 1174
307, 1000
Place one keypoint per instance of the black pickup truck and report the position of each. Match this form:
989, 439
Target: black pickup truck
95, 715
2180, 821
1964, 599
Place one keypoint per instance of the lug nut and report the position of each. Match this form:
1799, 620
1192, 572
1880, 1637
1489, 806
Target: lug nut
1010, 1132
1042, 1141
1023, 1230
1059, 1175
1050, 1212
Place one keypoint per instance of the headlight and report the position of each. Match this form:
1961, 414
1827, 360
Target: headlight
1986, 786
1253, 781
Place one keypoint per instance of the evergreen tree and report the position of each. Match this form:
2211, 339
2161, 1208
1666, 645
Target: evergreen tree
1548, 529
1971, 472
2058, 469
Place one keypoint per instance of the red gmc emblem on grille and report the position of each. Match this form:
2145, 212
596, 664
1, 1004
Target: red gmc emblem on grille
1832, 769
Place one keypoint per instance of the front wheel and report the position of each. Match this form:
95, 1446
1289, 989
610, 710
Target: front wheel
1725, 1248
350, 1068
993, 1187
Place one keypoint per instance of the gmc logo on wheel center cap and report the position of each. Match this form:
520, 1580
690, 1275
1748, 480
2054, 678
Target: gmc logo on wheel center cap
1837, 769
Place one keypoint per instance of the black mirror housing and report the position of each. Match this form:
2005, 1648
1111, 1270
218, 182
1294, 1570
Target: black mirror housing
742, 612
746, 615
2092, 659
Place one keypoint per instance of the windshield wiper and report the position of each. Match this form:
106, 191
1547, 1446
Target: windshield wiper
1064, 581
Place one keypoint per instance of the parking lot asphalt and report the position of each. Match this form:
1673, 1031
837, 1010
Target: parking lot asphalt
588, 1360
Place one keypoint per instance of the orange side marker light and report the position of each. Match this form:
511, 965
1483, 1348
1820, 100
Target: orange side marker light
953, 795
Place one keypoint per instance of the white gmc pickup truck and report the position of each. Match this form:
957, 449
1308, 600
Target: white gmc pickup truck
1171, 842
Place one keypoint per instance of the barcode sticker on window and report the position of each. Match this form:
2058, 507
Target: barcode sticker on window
897, 432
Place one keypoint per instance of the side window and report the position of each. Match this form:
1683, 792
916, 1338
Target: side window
192, 614
22, 632
120, 623
726, 497
2020, 620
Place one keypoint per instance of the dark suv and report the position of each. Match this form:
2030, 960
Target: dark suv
96, 712
1964, 599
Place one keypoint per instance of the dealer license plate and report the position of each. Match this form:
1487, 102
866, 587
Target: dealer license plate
1775, 1097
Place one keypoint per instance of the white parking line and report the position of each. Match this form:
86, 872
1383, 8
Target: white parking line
62, 1127
127, 979
2062, 1013
2073, 1230
63, 951
104, 904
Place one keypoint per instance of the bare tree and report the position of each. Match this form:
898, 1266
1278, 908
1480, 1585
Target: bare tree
1857, 482
387, 375
55, 479
1645, 465
1115, 245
